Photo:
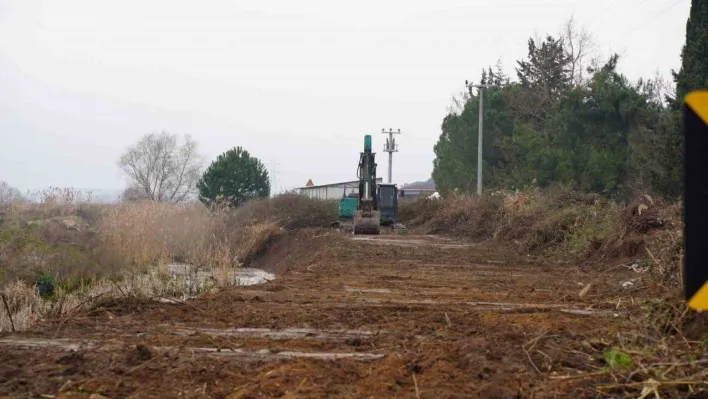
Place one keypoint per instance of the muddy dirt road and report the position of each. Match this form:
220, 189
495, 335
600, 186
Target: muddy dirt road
384, 317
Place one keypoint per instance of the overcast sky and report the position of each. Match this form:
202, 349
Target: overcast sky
297, 83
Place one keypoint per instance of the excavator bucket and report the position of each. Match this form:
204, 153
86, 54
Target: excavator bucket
367, 222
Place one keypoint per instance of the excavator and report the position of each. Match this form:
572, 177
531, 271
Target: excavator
375, 205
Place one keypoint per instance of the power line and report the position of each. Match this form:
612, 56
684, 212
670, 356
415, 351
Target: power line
480, 129
592, 20
664, 11
273, 170
637, 4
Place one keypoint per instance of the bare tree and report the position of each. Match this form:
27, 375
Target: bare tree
163, 170
8, 194
666, 88
133, 194
579, 45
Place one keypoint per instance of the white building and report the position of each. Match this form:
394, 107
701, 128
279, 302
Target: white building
332, 191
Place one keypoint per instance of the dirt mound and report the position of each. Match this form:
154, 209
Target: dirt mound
300, 248
465, 216
257, 240
643, 215
647, 229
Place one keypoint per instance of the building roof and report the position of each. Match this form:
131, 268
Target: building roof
419, 186
422, 190
353, 183
309, 183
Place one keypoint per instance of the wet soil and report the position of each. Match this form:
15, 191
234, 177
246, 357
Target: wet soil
375, 317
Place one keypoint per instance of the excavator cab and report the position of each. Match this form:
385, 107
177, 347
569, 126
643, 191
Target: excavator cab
388, 204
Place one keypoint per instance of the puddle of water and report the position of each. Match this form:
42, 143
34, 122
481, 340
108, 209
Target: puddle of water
236, 276
251, 276
198, 281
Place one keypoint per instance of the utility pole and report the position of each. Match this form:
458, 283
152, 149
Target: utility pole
390, 147
479, 130
273, 169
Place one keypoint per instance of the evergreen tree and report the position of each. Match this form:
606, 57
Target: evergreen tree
597, 132
542, 79
693, 74
234, 178
548, 66
455, 165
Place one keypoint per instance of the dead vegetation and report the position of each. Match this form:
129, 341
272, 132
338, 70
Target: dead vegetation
665, 352
289, 211
62, 252
556, 220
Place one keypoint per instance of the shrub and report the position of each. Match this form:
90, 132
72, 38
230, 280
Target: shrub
558, 219
62, 252
290, 211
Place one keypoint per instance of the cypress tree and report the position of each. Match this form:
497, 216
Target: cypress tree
693, 74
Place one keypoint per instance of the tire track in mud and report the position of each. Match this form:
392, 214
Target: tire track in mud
350, 319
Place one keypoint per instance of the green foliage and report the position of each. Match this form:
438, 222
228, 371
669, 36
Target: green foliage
547, 68
45, 284
616, 359
46, 253
603, 135
455, 165
234, 178
693, 74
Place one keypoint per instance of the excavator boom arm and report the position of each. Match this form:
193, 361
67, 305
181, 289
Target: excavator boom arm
367, 216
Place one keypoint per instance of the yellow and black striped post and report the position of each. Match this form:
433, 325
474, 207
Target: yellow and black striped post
695, 268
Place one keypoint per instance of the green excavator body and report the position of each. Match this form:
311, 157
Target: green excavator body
375, 205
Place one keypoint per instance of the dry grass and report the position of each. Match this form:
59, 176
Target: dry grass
26, 306
289, 211
664, 353
87, 251
533, 219
146, 233
557, 219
